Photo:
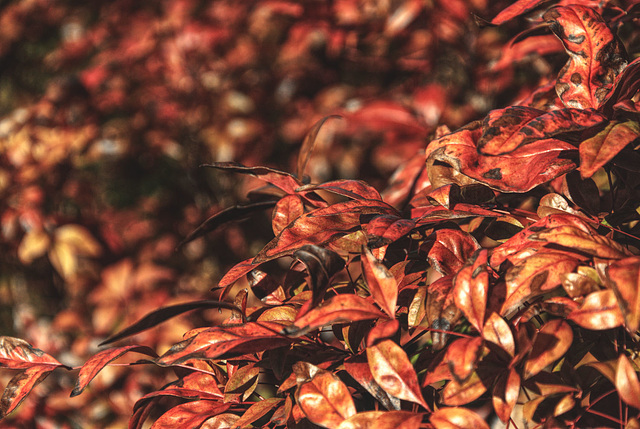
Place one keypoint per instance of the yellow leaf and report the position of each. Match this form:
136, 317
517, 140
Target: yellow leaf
34, 244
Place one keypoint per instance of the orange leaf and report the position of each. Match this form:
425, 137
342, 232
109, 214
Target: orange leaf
624, 278
190, 414
325, 400
383, 420
550, 344
598, 311
382, 285
627, 382
497, 331
534, 276
21, 385
470, 289
256, 411
337, 309
462, 357
287, 209
578, 240
393, 371
457, 418
596, 151
597, 56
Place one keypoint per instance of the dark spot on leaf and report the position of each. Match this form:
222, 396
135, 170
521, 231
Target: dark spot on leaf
576, 78
494, 173
575, 39
477, 271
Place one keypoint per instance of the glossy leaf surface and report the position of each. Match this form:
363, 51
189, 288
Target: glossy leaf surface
325, 400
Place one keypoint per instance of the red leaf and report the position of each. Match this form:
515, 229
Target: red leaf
550, 344
382, 285
94, 365
190, 414
287, 209
325, 400
601, 148
321, 226
385, 229
19, 354
505, 394
21, 385
518, 171
599, 310
522, 240
403, 181
506, 130
451, 249
462, 357
627, 382
383, 420
354, 189
393, 371
343, 308
285, 181
518, 8
219, 342
471, 286
457, 418
597, 56
534, 276
624, 278
257, 410
578, 240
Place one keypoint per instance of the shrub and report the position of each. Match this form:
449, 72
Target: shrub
498, 272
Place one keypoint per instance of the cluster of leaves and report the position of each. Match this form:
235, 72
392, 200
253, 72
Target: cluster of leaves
108, 108
496, 274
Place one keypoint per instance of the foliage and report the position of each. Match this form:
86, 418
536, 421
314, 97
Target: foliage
497, 273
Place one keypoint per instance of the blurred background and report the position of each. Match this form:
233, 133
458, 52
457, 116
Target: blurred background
108, 108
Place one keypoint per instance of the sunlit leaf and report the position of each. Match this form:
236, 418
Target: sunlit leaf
218, 342
382, 285
462, 357
516, 9
21, 385
325, 400
340, 308
550, 344
597, 55
471, 286
598, 150
354, 189
624, 276
457, 418
534, 276
598, 311
287, 209
383, 420
190, 414
627, 382
393, 371
497, 331
451, 250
